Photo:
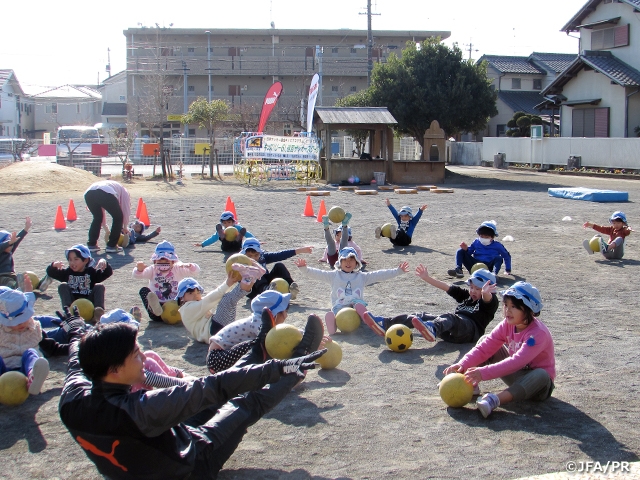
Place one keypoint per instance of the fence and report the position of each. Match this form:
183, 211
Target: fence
465, 153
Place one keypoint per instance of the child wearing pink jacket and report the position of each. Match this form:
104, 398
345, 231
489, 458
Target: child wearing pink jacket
519, 350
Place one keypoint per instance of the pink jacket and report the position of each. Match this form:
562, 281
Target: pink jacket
165, 284
121, 193
14, 344
531, 347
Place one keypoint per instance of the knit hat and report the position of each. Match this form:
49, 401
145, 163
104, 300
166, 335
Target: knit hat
4, 236
165, 250
226, 215
488, 227
339, 229
185, 284
16, 307
480, 277
527, 293
253, 244
273, 300
346, 253
82, 251
406, 210
618, 216
119, 315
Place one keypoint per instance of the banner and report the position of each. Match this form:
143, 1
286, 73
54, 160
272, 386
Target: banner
275, 147
311, 104
270, 100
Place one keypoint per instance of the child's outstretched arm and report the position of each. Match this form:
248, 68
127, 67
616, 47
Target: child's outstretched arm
423, 273
300, 262
307, 249
488, 289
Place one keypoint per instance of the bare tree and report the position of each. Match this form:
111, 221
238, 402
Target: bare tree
121, 142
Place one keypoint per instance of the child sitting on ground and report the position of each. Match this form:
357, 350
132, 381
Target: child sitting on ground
617, 231
347, 283
163, 276
195, 309
484, 249
81, 279
227, 219
519, 350
476, 308
401, 237
330, 254
137, 235
251, 248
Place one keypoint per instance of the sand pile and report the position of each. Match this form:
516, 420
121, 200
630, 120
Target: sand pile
42, 177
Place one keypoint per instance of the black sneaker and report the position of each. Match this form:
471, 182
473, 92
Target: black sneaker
268, 322
241, 234
220, 230
311, 338
457, 272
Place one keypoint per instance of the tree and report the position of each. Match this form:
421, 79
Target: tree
519, 125
208, 115
121, 141
360, 99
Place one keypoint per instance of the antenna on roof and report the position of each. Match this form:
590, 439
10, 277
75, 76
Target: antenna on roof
108, 67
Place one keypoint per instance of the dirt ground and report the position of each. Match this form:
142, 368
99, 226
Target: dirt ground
377, 415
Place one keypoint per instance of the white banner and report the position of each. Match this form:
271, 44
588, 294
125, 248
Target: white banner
311, 104
282, 148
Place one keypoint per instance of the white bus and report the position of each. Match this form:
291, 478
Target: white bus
76, 140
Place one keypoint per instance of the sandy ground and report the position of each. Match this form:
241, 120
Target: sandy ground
378, 414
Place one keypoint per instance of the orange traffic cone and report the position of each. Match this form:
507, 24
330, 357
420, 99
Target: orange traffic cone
308, 208
71, 212
228, 205
233, 210
321, 211
59, 224
139, 209
144, 215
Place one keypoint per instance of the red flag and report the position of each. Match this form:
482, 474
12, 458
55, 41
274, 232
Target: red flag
270, 100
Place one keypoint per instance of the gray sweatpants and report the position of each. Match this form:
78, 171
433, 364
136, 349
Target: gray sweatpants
616, 253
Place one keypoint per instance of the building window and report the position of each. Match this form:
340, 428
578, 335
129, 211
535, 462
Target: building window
52, 108
234, 52
353, 89
610, 37
286, 130
537, 84
166, 52
501, 131
191, 88
515, 83
335, 50
335, 88
123, 98
590, 122
211, 49
211, 88
191, 49
192, 132
234, 90
354, 50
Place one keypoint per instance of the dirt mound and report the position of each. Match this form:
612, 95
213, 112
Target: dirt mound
42, 177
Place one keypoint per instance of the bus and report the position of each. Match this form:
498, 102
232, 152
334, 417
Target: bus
76, 140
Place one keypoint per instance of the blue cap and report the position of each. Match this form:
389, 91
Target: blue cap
273, 300
480, 277
185, 284
339, 229
16, 307
83, 251
346, 253
4, 236
251, 243
406, 210
490, 224
527, 293
166, 250
618, 216
227, 215
118, 315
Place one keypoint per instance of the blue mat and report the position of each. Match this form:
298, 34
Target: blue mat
589, 194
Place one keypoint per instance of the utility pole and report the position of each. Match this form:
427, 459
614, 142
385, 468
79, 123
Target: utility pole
319, 57
470, 45
369, 42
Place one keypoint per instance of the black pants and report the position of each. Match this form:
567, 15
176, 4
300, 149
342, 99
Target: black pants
230, 247
144, 293
278, 271
402, 239
67, 297
97, 200
449, 326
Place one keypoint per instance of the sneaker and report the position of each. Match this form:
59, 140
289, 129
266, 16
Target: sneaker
37, 376
294, 290
378, 232
20, 281
44, 283
98, 312
345, 220
374, 322
325, 222
311, 338
587, 247
249, 273
393, 234
154, 304
603, 246
136, 313
93, 248
426, 329
487, 404
456, 272
220, 230
330, 322
115, 249
268, 322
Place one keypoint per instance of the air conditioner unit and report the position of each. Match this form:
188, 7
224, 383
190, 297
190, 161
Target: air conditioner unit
244, 87
244, 49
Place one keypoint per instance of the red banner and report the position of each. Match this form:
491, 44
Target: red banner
269, 103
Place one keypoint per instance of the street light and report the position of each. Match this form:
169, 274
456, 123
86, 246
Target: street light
209, 60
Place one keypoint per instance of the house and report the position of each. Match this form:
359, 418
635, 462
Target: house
16, 109
519, 82
597, 94
114, 102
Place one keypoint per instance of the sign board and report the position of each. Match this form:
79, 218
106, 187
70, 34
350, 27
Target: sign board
150, 149
174, 118
282, 148
536, 132
100, 149
46, 138
201, 148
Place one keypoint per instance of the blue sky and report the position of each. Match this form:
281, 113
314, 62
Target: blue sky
67, 41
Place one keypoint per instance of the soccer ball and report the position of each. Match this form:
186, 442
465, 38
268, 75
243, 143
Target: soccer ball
13, 388
336, 214
399, 338
347, 320
478, 266
230, 234
386, 230
332, 358
594, 243
281, 340
35, 281
85, 308
237, 258
279, 285
455, 391
170, 313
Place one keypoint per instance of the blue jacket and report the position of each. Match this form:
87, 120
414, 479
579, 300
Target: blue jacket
486, 254
412, 223
215, 237
273, 257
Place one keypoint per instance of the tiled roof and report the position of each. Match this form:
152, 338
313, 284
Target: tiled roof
115, 109
355, 115
4, 76
521, 101
506, 64
7, 75
588, 8
77, 93
557, 62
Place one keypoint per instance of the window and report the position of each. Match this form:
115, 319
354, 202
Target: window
610, 37
335, 88
286, 130
353, 89
211, 49
590, 122
123, 98
234, 52
537, 84
52, 108
335, 50
211, 88
166, 52
234, 90
77, 108
501, 131
354, 50
191, 49
192, 132
515, 83
191, 88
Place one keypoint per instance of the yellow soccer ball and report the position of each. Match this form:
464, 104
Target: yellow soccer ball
347, 320
237, 258
336, 214
399, 338
170, 313
280, 285
230, 234
85, 308
594, 243
13, 388
281, 340
35, 281
478, 266
333, 357
386, 230
455, 391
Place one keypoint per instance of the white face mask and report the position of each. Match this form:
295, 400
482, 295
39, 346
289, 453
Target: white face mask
484, 241
163, 267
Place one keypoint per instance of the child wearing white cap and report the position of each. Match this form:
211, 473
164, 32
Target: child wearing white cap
519, 350
227, 219
9, 242
407, 221
484, 249
618, 230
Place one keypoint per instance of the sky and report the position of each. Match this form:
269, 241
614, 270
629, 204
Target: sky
67, 42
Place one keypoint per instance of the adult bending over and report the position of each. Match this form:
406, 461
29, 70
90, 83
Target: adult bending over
114, 198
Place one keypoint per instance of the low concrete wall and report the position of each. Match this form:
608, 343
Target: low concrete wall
595, 152
465, 153
416, 173
343, 168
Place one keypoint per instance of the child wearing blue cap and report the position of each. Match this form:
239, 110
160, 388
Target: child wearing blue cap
401, 237
484, 249
227, 219
476, 308
618, 230
9, 242
519, 350
331, 252
81, 279
163, 276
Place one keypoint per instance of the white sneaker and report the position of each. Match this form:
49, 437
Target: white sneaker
37, 376
294, 290
115, 249
487, 404
154, 303
378, 232
587, 247
44, 283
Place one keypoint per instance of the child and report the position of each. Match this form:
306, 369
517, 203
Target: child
163, 276
20, 336
227, 219
484, 249
406, 224
519, 350
251, 248
8, 244
476, 308
347, 282
617, 232
81, 279
332, 243
136, 232
195, 309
